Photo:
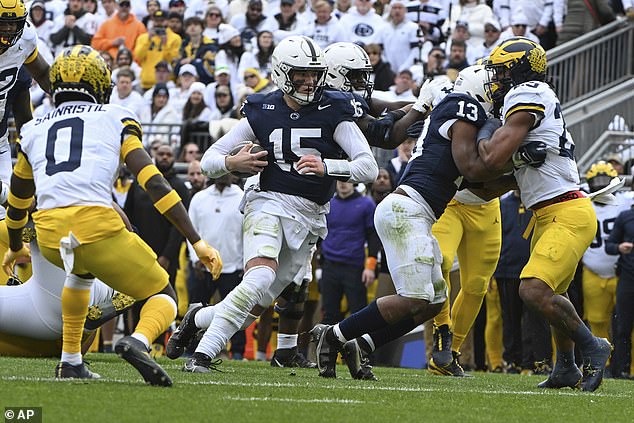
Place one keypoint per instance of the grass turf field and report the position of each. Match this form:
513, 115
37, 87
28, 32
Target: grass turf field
254, 392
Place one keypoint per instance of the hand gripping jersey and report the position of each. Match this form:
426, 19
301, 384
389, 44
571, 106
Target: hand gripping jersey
288, 134
559, 172
432, 171
24, 51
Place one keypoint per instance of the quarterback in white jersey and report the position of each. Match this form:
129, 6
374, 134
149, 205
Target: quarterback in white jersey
564, 220
18, 46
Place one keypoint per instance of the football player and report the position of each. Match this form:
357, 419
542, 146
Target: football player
599, 269
18, 46
307, 133
72, 156
445, 152
564, 221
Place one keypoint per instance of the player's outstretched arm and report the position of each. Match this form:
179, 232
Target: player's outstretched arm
166, 199
465, 153
216, 161
497, 151
39, 70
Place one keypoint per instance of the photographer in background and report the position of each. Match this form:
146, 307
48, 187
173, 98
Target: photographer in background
159, 44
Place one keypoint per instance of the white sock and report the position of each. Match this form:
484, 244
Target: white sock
285, 341
338, 333
205, 316
369, 340
260, 356
141, 338
74, 359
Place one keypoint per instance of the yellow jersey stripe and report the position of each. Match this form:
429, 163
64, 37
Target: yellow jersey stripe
528, 107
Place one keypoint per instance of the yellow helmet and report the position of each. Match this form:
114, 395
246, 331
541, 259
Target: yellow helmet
80, 73
513, 62
600, 175
12, 18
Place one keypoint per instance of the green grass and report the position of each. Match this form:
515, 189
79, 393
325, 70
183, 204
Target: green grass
255, 392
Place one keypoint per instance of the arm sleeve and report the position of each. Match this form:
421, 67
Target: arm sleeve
193, 216
173, 245
363, 167
374, 243
616, 237
213, 161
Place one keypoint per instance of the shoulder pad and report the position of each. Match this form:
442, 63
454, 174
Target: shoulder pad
29, 33
462, 107
527, 96
345, 105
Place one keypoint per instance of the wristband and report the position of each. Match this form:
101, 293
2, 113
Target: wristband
337, 168
168, 201
370, 263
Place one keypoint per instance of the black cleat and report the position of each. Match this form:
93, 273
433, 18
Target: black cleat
594, 363
452, 369
201, 363
326, 352
134, 352
291, 357
563, 377
65, 370
183, 334
441, 351
99, 314
357, 361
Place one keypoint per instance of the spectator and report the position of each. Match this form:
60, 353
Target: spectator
620, 243
518, 28
160, 112
252, 22
180, 94
108, 59
223, 102
342, 7
223, 78
151, 6
215, 215
429, 15
198, 50
215, 24
239, 7
231, 50
345, 269
121, 29
175, 23
107, 11
76, 27
325, 29
123, 94
476, 14
159, 44
196, 181
190, 153
199, 8
400, 91
163, 74
398, 33
91, 6
396, 166
260, 57
381, 71
491, 37
38, 16
461, 33
362, 23
286, 22
177, 6
195, 109
124, 58
458, 56
256, 82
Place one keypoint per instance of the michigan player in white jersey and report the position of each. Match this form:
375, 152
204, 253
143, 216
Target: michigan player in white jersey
71, 155
599, 269
565, 222
18, 46
307, 133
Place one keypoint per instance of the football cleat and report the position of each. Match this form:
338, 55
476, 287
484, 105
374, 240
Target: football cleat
452, 369
201, 363
291, 357
135, 352
65, 370
563, 377
326, 352
594, 363
183, 334
358, 361
99, 314
441, 352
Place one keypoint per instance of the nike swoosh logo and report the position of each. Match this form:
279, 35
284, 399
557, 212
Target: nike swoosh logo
322, 107
2, 152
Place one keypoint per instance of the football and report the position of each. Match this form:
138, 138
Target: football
255, 149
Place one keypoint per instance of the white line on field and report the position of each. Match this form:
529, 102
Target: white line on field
324, 400
361, 387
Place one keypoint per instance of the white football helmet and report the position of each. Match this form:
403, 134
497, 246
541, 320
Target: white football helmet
472, 81
298, 53
349, 69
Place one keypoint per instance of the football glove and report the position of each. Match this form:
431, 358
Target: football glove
11, 256
210, 257
379, 129
532, 154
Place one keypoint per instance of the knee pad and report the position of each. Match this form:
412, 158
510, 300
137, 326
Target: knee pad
295, 296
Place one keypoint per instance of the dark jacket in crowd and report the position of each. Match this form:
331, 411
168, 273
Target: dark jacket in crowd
623, 231
515, 249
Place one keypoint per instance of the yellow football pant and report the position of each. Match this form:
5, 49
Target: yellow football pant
474, 233
599, 299
493, 328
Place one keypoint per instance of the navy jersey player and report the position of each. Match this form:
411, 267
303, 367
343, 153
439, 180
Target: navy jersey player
308, 135
445, 153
